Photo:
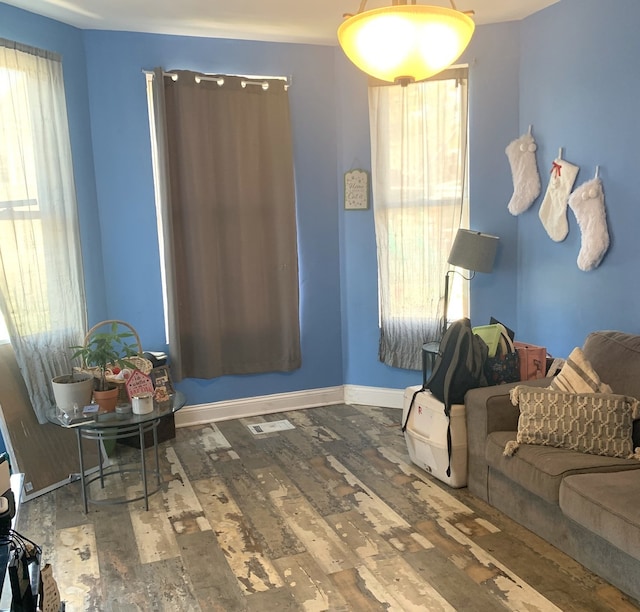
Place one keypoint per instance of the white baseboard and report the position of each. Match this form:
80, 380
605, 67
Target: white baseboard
255, 406
281, 402
373, 396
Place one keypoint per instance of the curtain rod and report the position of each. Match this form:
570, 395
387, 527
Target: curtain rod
246, 80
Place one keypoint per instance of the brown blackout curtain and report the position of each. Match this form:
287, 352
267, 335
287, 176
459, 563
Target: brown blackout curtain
229, 226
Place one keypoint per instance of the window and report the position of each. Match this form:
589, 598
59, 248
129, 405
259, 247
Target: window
20, 220
225, 192
419, 168
158, 190
41, 284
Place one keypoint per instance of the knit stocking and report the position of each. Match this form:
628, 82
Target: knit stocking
553, 210
524, 173
587, 203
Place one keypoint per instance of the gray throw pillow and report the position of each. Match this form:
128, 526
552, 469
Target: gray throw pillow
594, 423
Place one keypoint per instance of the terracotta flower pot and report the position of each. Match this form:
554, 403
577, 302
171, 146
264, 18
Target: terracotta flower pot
107, 400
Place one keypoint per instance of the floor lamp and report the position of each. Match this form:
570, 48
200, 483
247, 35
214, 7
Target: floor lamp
473, 251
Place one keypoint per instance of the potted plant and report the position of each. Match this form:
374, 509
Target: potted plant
104, 350
72, 391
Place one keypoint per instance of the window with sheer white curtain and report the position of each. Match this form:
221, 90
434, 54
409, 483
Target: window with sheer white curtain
419, 175
41, 282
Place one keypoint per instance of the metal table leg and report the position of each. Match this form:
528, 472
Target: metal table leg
82, 479
100, 462
144, 467
155, 446
113, 429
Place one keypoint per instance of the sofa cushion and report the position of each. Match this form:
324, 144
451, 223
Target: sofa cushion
596, 423
615, 356
540, 469
578, 376
606, 505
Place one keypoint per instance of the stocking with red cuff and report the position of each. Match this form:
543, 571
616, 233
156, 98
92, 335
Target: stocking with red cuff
553, 210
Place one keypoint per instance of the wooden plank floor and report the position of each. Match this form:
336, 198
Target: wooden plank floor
330, 515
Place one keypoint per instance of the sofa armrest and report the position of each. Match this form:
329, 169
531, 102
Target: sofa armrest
489, 409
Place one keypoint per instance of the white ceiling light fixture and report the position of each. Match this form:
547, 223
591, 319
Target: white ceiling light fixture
405, 43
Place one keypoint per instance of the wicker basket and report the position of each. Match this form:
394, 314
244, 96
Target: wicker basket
138, 361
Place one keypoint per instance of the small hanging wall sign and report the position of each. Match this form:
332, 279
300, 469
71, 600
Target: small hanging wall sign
356, 190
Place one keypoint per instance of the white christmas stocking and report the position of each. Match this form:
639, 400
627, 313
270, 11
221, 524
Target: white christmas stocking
524, 173
553, 210
587, 203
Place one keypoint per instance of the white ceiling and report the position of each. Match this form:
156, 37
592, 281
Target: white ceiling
300, 21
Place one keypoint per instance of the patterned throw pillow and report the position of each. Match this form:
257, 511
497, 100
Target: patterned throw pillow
594, 423
577, 376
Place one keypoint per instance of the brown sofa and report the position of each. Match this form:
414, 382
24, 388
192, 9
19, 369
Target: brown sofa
586, 505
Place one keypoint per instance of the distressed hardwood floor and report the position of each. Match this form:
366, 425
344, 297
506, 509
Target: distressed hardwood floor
330, 515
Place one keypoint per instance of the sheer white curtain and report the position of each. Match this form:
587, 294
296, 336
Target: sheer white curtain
41, 281
419, 160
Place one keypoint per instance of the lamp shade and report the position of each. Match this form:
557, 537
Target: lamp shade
473, 251
406, 42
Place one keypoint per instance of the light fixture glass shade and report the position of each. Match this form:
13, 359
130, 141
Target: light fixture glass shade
405, 43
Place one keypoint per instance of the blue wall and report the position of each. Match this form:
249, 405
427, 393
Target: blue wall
567, 70
124, 182
579, 88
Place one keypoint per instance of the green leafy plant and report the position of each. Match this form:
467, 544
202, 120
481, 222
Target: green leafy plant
105, 349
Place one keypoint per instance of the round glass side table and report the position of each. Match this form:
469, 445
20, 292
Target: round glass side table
113, 426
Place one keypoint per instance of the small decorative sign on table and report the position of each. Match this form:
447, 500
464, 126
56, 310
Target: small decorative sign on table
356, 190
138, 384
162, 382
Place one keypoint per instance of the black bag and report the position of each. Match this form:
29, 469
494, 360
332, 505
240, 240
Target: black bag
459, 365
503, 369
505, 366
22, 598
23, 570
